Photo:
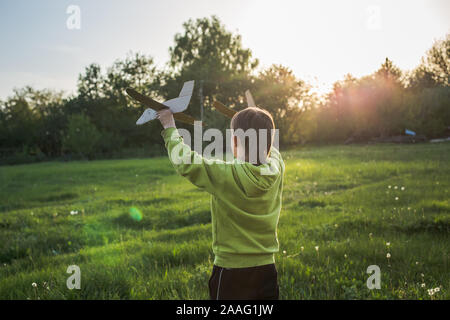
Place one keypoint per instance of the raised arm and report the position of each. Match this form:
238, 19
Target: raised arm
211, 175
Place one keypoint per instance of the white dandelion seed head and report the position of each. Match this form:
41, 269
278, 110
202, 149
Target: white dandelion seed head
34, 285
396, 198
423, 285
388, 244
395, 187
388, 255
317, 248
302, 248
437, 289
345, 256
389, 187
403, 188
284, 251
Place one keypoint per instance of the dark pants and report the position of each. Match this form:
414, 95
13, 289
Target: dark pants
253, 283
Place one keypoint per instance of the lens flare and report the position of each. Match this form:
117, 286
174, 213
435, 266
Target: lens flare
135, 214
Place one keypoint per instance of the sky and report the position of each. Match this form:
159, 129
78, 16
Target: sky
320, 40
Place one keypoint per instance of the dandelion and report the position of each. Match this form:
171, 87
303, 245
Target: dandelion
388, 255
73, 212
345, 256
370, 235
430, 292
336, 225
389, 187
423, 285
302, 248
388, 244
34, 285
417, 262
403, 188
317, 248
422, 275
396, 198
437, 289
284, 251
395, 187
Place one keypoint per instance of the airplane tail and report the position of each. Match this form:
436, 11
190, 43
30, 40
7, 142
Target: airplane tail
181, 103
250, 102
187, 89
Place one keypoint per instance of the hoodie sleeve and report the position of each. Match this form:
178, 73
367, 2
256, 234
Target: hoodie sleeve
210, 175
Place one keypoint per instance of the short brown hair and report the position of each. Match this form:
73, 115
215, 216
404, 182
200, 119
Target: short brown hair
255, 118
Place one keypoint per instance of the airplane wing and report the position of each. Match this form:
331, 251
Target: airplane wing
250, 102
153, 106
223, 109
181, 103
148, 115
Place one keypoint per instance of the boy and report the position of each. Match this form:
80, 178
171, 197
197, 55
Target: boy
245, 207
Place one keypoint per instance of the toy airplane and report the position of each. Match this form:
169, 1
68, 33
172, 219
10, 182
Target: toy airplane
176, 105
228, 112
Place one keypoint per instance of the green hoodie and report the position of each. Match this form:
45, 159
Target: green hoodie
245, 204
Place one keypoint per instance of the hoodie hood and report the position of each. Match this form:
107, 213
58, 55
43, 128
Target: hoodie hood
256, 180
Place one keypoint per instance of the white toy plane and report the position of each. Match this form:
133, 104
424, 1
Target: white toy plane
176, 105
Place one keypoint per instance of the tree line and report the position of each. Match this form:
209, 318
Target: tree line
99, 119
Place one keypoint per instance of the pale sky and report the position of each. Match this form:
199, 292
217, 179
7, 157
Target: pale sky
320, 40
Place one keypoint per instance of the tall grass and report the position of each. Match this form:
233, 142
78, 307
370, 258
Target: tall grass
345, 208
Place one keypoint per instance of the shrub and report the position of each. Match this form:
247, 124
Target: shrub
82, 136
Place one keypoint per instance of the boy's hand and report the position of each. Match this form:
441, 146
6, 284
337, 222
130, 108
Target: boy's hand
165, 116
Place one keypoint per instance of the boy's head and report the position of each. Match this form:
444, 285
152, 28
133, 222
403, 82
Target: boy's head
252, 134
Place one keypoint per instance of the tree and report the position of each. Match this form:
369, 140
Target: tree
82, 136
277, 90
28, 120
434, 69
91, 83
137, 71
389, 75
207, 51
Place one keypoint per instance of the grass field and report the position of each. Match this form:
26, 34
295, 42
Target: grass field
344, 208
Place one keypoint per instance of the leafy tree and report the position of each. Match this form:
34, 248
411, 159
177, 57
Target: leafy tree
91, 83
137, 71
434, 69
277, 90
207, 51
82, 136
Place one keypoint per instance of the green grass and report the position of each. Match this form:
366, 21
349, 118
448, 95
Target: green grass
337, 198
